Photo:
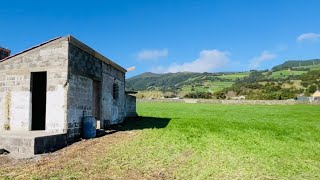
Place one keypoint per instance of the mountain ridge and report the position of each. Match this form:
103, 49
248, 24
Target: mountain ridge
290, 77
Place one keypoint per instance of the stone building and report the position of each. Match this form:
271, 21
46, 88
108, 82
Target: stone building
46, 90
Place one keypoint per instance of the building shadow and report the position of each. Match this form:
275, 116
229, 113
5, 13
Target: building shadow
139, 123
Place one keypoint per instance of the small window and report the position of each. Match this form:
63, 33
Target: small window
115, 91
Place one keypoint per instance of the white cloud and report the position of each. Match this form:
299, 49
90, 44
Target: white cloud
308, 37
263, 57
152, 54
207, 61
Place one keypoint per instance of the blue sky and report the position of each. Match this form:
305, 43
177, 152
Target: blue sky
172, 35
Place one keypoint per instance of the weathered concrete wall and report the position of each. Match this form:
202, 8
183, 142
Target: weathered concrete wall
15, 94
79, 104
131, 106
72, 68
84, 68
30, 143
118, 111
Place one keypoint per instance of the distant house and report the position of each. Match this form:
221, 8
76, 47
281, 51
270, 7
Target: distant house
304, 98
316, 96
238, 98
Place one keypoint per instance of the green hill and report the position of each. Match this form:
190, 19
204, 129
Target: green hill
284, 81
152, 81
183, 82
297, 64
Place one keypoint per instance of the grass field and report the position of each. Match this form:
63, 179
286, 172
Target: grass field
235, 75
313, 67
286, 73
195, 141
210, 86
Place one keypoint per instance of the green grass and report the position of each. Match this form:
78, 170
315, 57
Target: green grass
235, 75
312, 67
286, 73
317, 67
210, 86
204, 141
218, 86
199, 141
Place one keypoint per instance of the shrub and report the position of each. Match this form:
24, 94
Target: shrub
201, 95
312, 88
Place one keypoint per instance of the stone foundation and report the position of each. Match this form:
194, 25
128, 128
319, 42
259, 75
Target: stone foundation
31, 143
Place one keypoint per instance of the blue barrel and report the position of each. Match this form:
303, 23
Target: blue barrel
89, 127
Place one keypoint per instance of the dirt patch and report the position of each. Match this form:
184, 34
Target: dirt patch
5, 160
78, 155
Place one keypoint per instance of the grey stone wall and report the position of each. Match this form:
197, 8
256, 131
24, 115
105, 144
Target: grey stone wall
15, 95
84, 68
113, 110
71, 70
79, 104
131, 106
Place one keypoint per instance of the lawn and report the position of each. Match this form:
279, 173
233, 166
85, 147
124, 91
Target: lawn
196, 141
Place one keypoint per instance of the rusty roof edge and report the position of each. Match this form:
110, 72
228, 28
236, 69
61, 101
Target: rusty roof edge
96, 54
29, 49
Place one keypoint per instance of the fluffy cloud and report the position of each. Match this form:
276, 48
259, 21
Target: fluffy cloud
308, 37
263, 57
152, 54
207, 61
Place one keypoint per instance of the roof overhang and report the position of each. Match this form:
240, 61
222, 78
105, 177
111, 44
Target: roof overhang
94, 53
78, 44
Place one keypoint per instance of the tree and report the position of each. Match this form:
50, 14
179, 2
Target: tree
312, 88
305, 83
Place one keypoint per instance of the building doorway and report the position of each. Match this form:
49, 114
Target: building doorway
38, 100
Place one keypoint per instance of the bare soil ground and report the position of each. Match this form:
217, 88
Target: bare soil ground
81, 154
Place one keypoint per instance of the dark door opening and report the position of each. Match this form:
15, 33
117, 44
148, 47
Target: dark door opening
39, 98
96, 102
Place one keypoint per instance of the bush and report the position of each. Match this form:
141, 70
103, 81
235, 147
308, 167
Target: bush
199, 95
312, 88
220, 95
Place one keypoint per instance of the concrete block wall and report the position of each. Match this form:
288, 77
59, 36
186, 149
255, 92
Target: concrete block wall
29, 145
71, 69
85, 68
113, 110
131, 106
106, 99
15, 94
79, 104
118, 112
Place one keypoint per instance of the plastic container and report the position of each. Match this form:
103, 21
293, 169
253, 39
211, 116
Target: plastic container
89, 127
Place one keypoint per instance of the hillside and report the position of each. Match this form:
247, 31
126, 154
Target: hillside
284, 81
297, 64
152, 81
183, 81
